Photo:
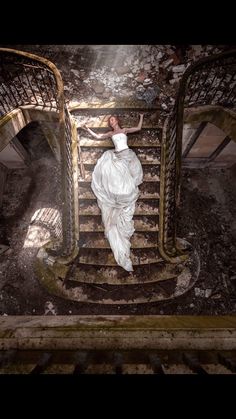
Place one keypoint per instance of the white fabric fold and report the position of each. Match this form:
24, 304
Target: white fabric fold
115, 181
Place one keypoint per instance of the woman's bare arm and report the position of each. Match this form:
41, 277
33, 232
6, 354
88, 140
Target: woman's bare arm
97, 136
139, 126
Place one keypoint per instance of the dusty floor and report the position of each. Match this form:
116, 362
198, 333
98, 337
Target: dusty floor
206, 219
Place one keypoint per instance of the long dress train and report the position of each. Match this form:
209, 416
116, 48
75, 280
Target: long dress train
115, 181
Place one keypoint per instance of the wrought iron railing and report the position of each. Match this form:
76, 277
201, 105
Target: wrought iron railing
210, 81
26, 79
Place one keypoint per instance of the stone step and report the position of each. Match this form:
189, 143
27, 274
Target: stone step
105, 257
148, 190
97, 240
127, 119
117, 277
145, 155
144, 138
142, 207
150, 172
141, 223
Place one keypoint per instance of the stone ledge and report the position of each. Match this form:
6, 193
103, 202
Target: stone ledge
118, 332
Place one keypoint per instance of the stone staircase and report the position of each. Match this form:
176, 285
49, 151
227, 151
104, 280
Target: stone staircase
95, 263
146, 144
93, 276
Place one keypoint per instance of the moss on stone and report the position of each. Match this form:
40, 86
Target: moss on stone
50, 278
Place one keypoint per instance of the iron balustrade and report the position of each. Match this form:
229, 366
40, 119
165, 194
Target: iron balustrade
209, 81
26, 79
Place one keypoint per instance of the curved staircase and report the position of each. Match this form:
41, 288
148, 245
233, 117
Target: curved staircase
152, 279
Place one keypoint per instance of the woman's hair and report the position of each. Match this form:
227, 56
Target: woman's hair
116, 117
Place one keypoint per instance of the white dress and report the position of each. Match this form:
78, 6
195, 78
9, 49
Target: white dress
115, 181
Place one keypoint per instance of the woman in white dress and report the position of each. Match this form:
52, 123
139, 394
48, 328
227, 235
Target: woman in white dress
115, 181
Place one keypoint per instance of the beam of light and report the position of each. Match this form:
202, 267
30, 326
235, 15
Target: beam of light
45, 223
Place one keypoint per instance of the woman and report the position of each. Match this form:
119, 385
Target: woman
115, 181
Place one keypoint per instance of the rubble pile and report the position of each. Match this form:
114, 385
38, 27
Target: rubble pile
147, 73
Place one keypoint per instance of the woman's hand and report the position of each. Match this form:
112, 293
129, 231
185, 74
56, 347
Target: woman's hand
138, 127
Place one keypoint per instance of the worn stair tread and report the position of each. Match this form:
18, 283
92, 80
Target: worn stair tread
107, 143
141, 223
142, 207
109, 285
150, 172
88, 194
117, 276
127, 119
85, 193
97, 240
148, 190
105, 256
148, 138
145, 155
